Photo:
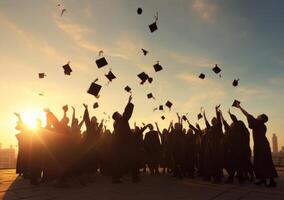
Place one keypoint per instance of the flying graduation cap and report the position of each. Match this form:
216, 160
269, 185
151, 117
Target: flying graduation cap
95, 105
161, 107
236, 103
235, 82
110, 76
127, 89
94, 89
67, 69
101, 62
157, 67
163, 117
139, 11
145, 52
201, 76
199, 116
184, 117
143, 77
169, 104
216, 69
41, 75
153, 27
150, 95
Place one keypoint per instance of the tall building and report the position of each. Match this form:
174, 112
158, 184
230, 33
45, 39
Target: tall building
7, 157
274, 143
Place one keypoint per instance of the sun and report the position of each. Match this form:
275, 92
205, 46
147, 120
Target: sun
29, 120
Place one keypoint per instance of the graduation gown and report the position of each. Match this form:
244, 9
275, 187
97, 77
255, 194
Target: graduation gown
263, 165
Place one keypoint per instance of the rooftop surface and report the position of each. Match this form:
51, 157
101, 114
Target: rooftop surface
152, 187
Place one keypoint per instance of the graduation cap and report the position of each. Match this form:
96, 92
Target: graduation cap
163, 117
110, 76
145, 52
199, 116
201, 76
235, 82
161, 107
150, 95
157, 67
41, 75
153, 27
155, 109
236, 103
127, 89
139, 11
94, 89
150, 79
67, 69
216, 69
101, 62
96, 105
144, 77
169, 104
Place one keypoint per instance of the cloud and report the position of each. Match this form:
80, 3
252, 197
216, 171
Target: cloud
193, 79
194, 61
77, 33
205, 9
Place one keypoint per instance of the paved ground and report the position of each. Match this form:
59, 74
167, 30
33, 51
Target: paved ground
152, 187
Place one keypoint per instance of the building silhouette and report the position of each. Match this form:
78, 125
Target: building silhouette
7, 157
274, 143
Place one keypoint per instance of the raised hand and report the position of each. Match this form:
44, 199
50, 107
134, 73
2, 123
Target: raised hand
130, 98
85, 106
65, 108
217, 107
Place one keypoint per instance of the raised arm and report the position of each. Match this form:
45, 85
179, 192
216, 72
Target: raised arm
233, 117
218, 114
192, 127
128, 109
170, 126
20, 120
73, 117
206, 121
144, 128
86, 117
65, 109
243, 110
226, 125
157, 126
179, 120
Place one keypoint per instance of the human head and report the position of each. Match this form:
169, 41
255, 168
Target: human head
214, 121
116, 116
150, 127
263, 118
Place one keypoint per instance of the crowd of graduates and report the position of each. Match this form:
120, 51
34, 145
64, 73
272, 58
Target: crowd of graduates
61, 151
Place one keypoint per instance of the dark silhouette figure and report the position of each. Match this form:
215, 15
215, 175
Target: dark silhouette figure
153, 149
263, 165
122, 145
24, 145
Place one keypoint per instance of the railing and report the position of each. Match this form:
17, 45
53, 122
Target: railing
278, 161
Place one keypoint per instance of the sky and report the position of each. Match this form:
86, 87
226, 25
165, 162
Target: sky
245, 38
